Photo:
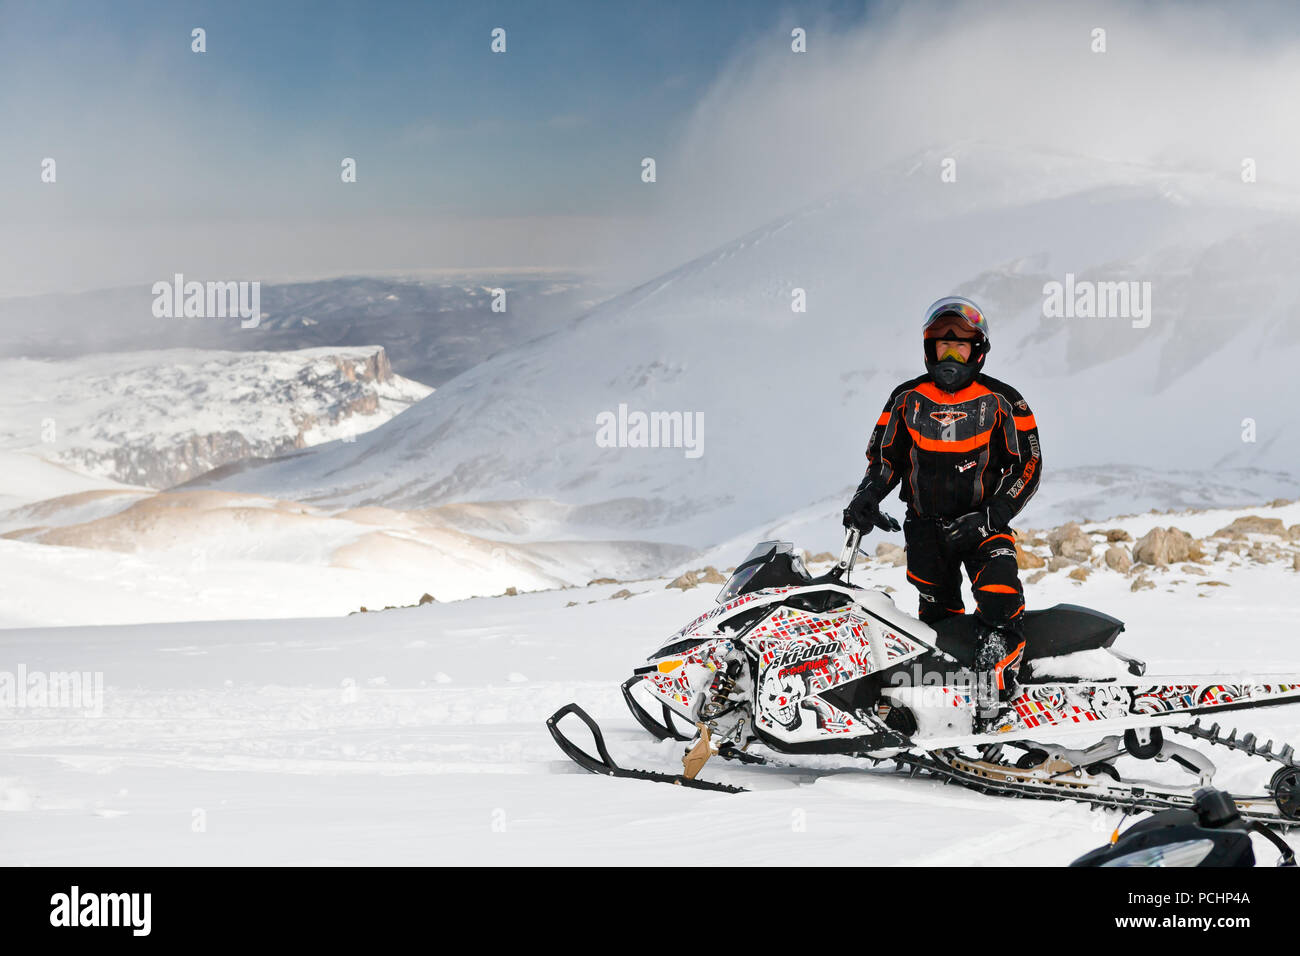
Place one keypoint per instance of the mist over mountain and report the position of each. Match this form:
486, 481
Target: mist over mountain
788, 398
432, 328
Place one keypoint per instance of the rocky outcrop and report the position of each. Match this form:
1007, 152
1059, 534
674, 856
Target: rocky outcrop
1161, 547
1117, 559
891, 554
1026, 560
711, 575
683, 582
1253, 524
691, 579
1069, 541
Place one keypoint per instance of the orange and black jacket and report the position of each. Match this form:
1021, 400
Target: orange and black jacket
954, 453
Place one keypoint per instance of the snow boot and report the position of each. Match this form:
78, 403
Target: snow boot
997, 666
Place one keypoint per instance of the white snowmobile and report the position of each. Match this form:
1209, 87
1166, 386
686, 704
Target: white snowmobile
790, 664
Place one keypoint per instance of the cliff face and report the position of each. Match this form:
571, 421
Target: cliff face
162, 418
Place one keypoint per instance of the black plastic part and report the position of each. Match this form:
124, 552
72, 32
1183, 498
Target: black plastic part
1215, 817
1050, 632
819, 602
604, 764
731, 752
1144, 751
778, 570
1229, 836
1288, 854
1185, 763
1031, 759
1102, 767
1285, 787
1215, 808
662, 731
902, 720
853, 746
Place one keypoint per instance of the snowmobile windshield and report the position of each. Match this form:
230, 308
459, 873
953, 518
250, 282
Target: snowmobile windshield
755, 561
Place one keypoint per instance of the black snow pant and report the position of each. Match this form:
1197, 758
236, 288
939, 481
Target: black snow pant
935, 570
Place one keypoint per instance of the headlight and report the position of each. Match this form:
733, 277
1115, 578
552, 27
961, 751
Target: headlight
1184, 853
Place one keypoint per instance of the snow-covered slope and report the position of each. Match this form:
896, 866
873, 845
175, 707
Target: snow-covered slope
787, 399
29, 478
126, 555
160, 418
417, 737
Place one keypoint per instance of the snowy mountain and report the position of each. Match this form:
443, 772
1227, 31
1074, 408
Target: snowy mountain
786, 399
159, 418
432, 327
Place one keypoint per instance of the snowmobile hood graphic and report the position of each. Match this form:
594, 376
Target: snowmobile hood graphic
787, 664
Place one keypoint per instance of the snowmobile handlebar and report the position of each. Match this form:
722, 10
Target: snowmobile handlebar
848, 554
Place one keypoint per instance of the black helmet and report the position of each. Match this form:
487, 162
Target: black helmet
948, 315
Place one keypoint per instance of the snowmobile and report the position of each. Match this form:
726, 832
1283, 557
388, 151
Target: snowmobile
788, 665
1211, 833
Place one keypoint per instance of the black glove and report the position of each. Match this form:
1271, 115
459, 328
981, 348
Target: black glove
864, 513
966, 532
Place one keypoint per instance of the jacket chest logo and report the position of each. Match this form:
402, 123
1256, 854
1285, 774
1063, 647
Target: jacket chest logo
948, 417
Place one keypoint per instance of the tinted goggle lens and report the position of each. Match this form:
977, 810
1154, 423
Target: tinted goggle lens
972, 317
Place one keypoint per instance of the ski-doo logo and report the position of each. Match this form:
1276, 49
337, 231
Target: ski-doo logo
949, 417
967, 466
800, 655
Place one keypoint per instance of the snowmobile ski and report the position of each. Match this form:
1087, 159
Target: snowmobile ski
605, 765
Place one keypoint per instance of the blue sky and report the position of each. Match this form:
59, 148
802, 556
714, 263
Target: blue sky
436, 121
228, 162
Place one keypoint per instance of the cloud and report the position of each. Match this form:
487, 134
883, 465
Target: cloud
148, 179
1183, 85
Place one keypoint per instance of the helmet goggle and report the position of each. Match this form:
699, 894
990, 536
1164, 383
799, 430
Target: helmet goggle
964, 310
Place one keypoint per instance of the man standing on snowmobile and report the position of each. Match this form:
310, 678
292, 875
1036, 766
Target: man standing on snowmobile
963, 447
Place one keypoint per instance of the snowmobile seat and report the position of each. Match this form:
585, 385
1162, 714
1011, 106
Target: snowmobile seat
1050, 632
